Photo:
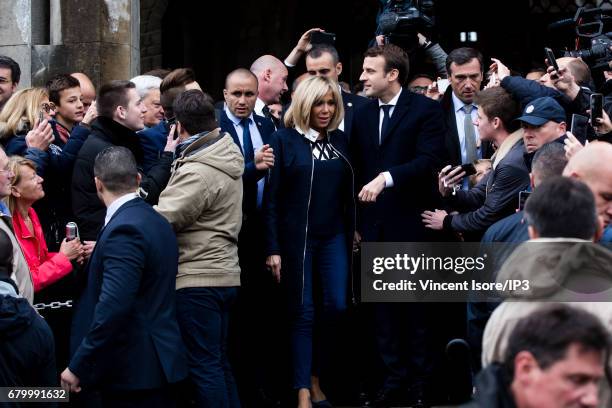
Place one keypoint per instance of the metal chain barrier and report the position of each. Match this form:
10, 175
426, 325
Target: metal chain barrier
53, 305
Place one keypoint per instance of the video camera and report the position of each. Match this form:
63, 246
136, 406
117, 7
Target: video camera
400, 20
591, 27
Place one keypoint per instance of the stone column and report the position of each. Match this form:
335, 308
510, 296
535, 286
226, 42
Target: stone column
98, 37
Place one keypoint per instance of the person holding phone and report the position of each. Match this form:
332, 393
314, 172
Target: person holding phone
495, 196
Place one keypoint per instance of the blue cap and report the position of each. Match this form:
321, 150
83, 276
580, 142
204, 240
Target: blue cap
541, 110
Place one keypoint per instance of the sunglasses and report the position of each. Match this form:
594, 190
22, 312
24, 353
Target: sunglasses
48, 107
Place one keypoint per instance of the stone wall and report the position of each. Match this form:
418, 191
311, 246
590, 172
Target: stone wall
151, 14
98, 37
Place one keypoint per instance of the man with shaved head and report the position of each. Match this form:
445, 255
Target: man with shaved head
272, 76
252, 134
593, 166
88, 90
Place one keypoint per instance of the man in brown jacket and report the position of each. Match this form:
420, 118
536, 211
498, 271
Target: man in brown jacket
203, 203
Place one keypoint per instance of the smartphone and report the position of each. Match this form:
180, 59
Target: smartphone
523, 196
318, 37
442, 85
468, 168
550, 56
596, 107
579, 127
41, 116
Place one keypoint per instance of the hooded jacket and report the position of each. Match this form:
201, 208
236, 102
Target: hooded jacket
203, 203
573, 271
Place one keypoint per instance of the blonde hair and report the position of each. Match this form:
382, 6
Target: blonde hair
15, 163
20, 112
308, 93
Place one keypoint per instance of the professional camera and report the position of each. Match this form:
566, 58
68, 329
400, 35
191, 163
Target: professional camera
591, 27
400, 20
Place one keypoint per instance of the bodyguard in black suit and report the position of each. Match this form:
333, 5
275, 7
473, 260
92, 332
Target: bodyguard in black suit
252, 133
125, 338
323, 60
397, 146
465, 70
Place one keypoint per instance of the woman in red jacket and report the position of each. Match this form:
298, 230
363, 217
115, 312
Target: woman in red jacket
45, 267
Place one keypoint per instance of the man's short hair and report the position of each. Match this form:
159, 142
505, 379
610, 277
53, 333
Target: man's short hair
116, 168
8, 62
317, 50
462, 56
243, 72
496, 102
176, 78
60, 83
395, 58
145, 83
562, 207
195, 111
581, 72
549, 161
111, 95
549, 332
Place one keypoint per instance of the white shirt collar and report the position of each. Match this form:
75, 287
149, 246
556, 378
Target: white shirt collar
115, 205
235, 120
459, 104
310, 134
392, 101
259, 105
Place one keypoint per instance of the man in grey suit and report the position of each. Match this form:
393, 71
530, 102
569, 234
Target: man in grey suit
496, 195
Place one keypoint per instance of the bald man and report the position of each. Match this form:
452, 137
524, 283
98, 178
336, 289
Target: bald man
593, 166
271, 74
88, 91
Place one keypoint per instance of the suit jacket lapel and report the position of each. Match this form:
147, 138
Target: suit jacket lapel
228, 126
348, 113
400, 110
265, 137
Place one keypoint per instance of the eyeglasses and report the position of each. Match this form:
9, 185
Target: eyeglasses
7, 170
48, 106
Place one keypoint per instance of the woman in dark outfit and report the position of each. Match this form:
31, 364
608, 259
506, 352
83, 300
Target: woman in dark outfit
310, 216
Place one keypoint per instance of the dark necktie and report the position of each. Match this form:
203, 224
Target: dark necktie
266, 112
471, 150
385, 123
247, 144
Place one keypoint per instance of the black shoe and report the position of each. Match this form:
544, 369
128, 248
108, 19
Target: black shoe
321, 404
385, 398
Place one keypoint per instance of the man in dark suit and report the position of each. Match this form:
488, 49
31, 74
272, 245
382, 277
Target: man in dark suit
323, 60
252, 134
465, 70
397, 146
125, 338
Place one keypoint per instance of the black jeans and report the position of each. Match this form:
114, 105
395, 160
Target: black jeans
203, 316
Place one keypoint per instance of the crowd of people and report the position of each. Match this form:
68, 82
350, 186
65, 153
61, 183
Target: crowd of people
216, 262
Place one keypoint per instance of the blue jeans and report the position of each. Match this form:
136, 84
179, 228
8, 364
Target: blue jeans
326, 261
203, 316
